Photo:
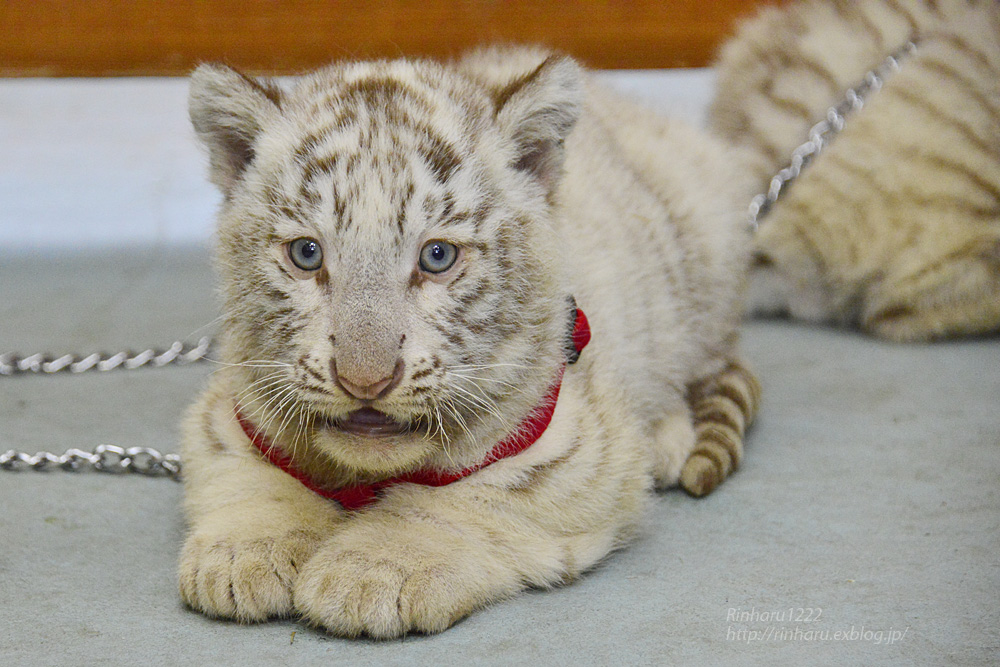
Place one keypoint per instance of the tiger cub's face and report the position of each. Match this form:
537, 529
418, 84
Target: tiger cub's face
385, 253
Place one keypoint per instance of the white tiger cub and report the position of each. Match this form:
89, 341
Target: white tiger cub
399, 439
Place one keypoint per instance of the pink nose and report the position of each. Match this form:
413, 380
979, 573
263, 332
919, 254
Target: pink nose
368, 392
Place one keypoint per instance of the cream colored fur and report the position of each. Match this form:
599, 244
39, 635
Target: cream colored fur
896, 226
573, 192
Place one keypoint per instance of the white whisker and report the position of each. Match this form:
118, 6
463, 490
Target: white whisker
482, 367
476, 378
264, 386
478, 400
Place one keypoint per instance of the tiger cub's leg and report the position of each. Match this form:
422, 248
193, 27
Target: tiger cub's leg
722, 406
252, 526
673, 441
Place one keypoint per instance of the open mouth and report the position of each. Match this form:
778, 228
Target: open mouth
371, 423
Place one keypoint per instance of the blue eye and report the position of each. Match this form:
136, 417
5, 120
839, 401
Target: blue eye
438, 256
306, 254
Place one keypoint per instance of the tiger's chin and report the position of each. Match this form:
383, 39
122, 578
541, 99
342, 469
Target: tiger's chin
372, 423
375, 443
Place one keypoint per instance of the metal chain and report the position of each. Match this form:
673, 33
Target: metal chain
823, 132
177, 354
104, 458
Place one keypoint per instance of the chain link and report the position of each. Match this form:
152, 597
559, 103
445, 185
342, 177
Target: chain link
177, 354
823, 132
104, 458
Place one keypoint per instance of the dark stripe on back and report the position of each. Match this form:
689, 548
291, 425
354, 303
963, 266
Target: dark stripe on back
854, 13
969, 86
937, 113
970, 51
902, 11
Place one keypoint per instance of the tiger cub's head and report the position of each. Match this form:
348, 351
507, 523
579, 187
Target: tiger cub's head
391, 286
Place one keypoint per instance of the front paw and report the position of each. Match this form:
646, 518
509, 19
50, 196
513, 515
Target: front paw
385, 583
247, 579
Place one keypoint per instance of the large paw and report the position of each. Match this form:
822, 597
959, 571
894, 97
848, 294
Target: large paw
384, 582
243, 579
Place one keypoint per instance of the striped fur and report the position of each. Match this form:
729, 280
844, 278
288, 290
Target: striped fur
896, 226
549, 187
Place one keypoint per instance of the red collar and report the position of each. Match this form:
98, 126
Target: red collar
356, 497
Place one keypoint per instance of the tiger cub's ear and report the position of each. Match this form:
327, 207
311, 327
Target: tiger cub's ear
228, 111
537, 111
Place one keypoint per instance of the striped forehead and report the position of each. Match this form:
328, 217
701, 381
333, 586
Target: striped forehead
383, 113
368, 151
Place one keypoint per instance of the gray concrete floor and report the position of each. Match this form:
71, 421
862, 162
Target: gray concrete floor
868, 495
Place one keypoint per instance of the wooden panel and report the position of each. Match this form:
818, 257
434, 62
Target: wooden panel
149, 37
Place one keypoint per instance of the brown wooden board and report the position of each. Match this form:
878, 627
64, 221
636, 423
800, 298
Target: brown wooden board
158, 37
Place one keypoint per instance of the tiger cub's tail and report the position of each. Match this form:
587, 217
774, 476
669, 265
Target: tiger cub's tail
723, 406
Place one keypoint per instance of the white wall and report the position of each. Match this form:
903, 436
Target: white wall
88, 164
